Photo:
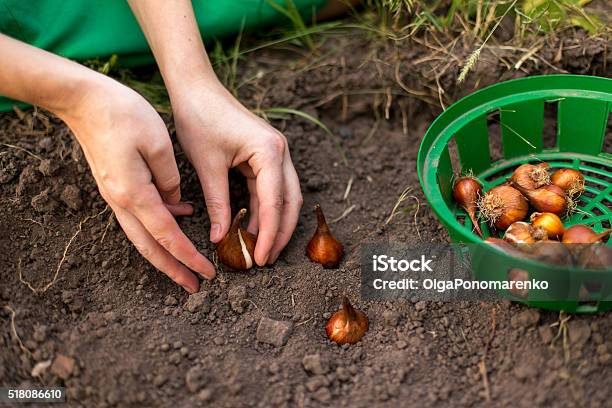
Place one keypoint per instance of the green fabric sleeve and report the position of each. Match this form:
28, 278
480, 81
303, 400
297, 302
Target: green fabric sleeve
87, 29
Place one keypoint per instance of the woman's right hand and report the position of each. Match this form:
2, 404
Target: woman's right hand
130, 153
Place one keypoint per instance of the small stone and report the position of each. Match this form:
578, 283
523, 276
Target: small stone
175, 358
165, 347
526, 318
237, 296
71, 196
546, 334
401, 344
314, 364
322, 395
343, 374
48, 167
170, 301
195, 379
204, 395
63, 366
391, 318
274, 332
316, 382
198, 302
579, 332
184, 351
40, 333
159, 380
177, 344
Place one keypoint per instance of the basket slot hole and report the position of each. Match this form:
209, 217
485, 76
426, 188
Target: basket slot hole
454, 157
601, 171
496, 148
461, 219
597, 211
607, 144
549, 134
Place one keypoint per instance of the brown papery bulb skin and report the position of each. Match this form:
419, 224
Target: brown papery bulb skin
237, 248
530, 176
503, 246
552, 252
467, 191
521, 232
569, 180
323, 247
503, 205
549, 222
348, 325
581, 234
596, 257
549, 198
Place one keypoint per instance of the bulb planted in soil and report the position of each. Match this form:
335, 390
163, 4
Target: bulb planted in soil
323, 247
348, 325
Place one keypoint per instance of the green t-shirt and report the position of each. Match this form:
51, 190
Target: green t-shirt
86, 29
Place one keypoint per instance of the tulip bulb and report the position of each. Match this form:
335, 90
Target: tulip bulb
503, 205
581, 234
237, 248
323, 247
466, 192
596, 257
348, 325
531, 176
569, 180
521, 232
549, 222
549, 198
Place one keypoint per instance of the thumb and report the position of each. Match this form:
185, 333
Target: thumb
215, 185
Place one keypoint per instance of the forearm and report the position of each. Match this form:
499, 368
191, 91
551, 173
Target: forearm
174, 37
35, 76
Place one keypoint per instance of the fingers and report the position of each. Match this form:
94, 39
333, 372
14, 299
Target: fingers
292, 204
161, 162
215, 185
270, 194
180, 210
154, 253
158, 221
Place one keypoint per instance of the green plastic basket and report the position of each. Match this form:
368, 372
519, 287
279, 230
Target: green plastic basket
583, 107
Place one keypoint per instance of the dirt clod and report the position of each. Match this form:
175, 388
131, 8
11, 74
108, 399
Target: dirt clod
526, 318
237, 296
71, 196
44, 202
195, 379
315, 364
170, 301
198, 302
579, 332
274, 332
63, 366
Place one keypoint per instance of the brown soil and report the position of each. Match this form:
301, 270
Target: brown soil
134, 340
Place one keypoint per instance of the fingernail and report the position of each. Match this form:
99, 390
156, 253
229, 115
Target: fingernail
190, 289
215, 232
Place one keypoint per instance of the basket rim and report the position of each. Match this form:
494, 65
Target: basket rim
485, 100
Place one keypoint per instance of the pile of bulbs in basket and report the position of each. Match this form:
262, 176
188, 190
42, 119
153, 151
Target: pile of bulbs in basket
541, 235
236, 250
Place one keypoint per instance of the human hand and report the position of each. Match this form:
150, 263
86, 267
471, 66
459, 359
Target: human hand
130, 154
218, 133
